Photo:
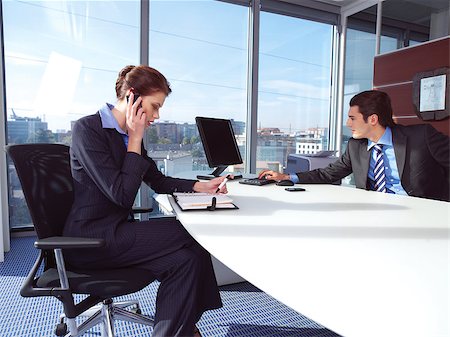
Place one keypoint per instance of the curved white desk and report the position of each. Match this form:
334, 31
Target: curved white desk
360, 263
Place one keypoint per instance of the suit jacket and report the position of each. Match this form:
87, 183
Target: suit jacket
421, 153
106, 180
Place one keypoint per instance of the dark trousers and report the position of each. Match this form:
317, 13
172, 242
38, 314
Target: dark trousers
188, 283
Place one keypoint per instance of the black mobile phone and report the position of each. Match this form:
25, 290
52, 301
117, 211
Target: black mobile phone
136, 96
295, 189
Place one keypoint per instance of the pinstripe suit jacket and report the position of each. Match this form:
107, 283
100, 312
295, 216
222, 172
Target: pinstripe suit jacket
421, 153
106, 180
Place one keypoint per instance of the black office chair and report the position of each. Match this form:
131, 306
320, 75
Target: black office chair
44, 172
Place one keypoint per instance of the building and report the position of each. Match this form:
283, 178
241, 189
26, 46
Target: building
311, 141
26, 129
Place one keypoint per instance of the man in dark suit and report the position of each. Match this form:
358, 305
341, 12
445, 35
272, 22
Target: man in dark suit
413, 160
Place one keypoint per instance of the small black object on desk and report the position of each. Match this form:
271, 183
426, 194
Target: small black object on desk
285, 182
213, 204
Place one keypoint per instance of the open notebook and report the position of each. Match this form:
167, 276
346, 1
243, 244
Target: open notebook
201, 201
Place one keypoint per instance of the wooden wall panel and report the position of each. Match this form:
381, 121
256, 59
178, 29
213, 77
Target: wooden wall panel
393, 73
401, 98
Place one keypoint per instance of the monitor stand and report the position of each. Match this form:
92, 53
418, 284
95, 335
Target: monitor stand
216, 173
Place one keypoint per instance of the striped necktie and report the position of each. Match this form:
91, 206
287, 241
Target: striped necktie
378, 171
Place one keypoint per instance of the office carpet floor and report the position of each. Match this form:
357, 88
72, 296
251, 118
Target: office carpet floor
247, 311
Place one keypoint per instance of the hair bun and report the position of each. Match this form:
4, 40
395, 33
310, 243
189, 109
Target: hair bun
125, 70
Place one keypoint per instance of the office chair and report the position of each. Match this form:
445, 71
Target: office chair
44, 172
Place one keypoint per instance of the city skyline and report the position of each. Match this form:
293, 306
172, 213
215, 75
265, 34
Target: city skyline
14, 117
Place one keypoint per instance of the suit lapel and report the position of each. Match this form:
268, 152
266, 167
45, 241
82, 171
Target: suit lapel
364, 155
399, 141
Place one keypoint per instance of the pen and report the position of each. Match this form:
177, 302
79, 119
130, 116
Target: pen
222, 184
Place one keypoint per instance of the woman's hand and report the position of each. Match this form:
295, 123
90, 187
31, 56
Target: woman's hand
135, 123
210, 186
268, 174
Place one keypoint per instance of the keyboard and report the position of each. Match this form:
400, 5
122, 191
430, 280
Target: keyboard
256, 181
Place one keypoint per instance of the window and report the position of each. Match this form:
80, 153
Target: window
294, 84
61, 63
201, 47
360, 51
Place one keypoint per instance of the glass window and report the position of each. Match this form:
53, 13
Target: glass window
294, 86
61, 63
360, 51
388, 44
201, 47
423, 21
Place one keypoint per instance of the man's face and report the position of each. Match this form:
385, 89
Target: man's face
355, 122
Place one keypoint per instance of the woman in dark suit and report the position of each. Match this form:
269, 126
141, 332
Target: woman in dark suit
109, 162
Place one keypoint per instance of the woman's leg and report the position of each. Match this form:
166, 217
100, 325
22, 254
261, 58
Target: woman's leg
188, 284
182, 296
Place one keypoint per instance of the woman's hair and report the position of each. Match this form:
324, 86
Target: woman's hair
374, 102
144, 79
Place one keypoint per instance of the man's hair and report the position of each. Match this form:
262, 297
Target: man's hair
374, 102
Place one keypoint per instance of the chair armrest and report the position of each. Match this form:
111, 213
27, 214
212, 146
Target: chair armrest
137, 210
62, 242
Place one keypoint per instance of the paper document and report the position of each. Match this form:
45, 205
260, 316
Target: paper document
202, 200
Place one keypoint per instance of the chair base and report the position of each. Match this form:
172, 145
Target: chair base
105, 314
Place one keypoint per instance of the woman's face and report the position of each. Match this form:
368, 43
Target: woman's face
151, 105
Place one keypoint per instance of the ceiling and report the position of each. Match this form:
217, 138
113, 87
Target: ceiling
337, 3
341, 3
408, 10
401, 5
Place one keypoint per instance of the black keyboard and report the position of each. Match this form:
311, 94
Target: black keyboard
256, 181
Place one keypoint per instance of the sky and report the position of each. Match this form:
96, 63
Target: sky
62, 59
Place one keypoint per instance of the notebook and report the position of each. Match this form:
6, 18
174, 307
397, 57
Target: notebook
201, 201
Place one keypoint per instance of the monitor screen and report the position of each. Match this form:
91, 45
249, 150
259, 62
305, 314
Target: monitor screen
219, 142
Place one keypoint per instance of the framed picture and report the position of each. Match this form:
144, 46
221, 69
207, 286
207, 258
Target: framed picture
431, 92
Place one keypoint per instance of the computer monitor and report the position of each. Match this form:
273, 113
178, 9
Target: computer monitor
219, 143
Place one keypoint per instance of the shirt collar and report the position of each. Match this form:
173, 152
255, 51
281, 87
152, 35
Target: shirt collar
386, 139
108, 120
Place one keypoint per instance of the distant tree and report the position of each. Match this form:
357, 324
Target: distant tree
164, 141
195, 139
41, 136
152, 135
185, 141
67, 139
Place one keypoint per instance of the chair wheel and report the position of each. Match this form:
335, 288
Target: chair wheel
61, 329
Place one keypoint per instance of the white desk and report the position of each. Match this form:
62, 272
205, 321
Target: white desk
360, 263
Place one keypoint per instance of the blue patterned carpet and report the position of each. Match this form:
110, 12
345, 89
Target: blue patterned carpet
247, 311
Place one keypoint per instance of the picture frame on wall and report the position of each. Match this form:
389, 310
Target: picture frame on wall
431, 93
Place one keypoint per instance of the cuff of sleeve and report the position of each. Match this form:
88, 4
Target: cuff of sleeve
294, 178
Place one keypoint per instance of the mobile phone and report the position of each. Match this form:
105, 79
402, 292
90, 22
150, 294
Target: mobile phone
295, 189
136, 96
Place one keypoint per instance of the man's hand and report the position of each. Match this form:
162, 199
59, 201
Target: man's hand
268, 174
